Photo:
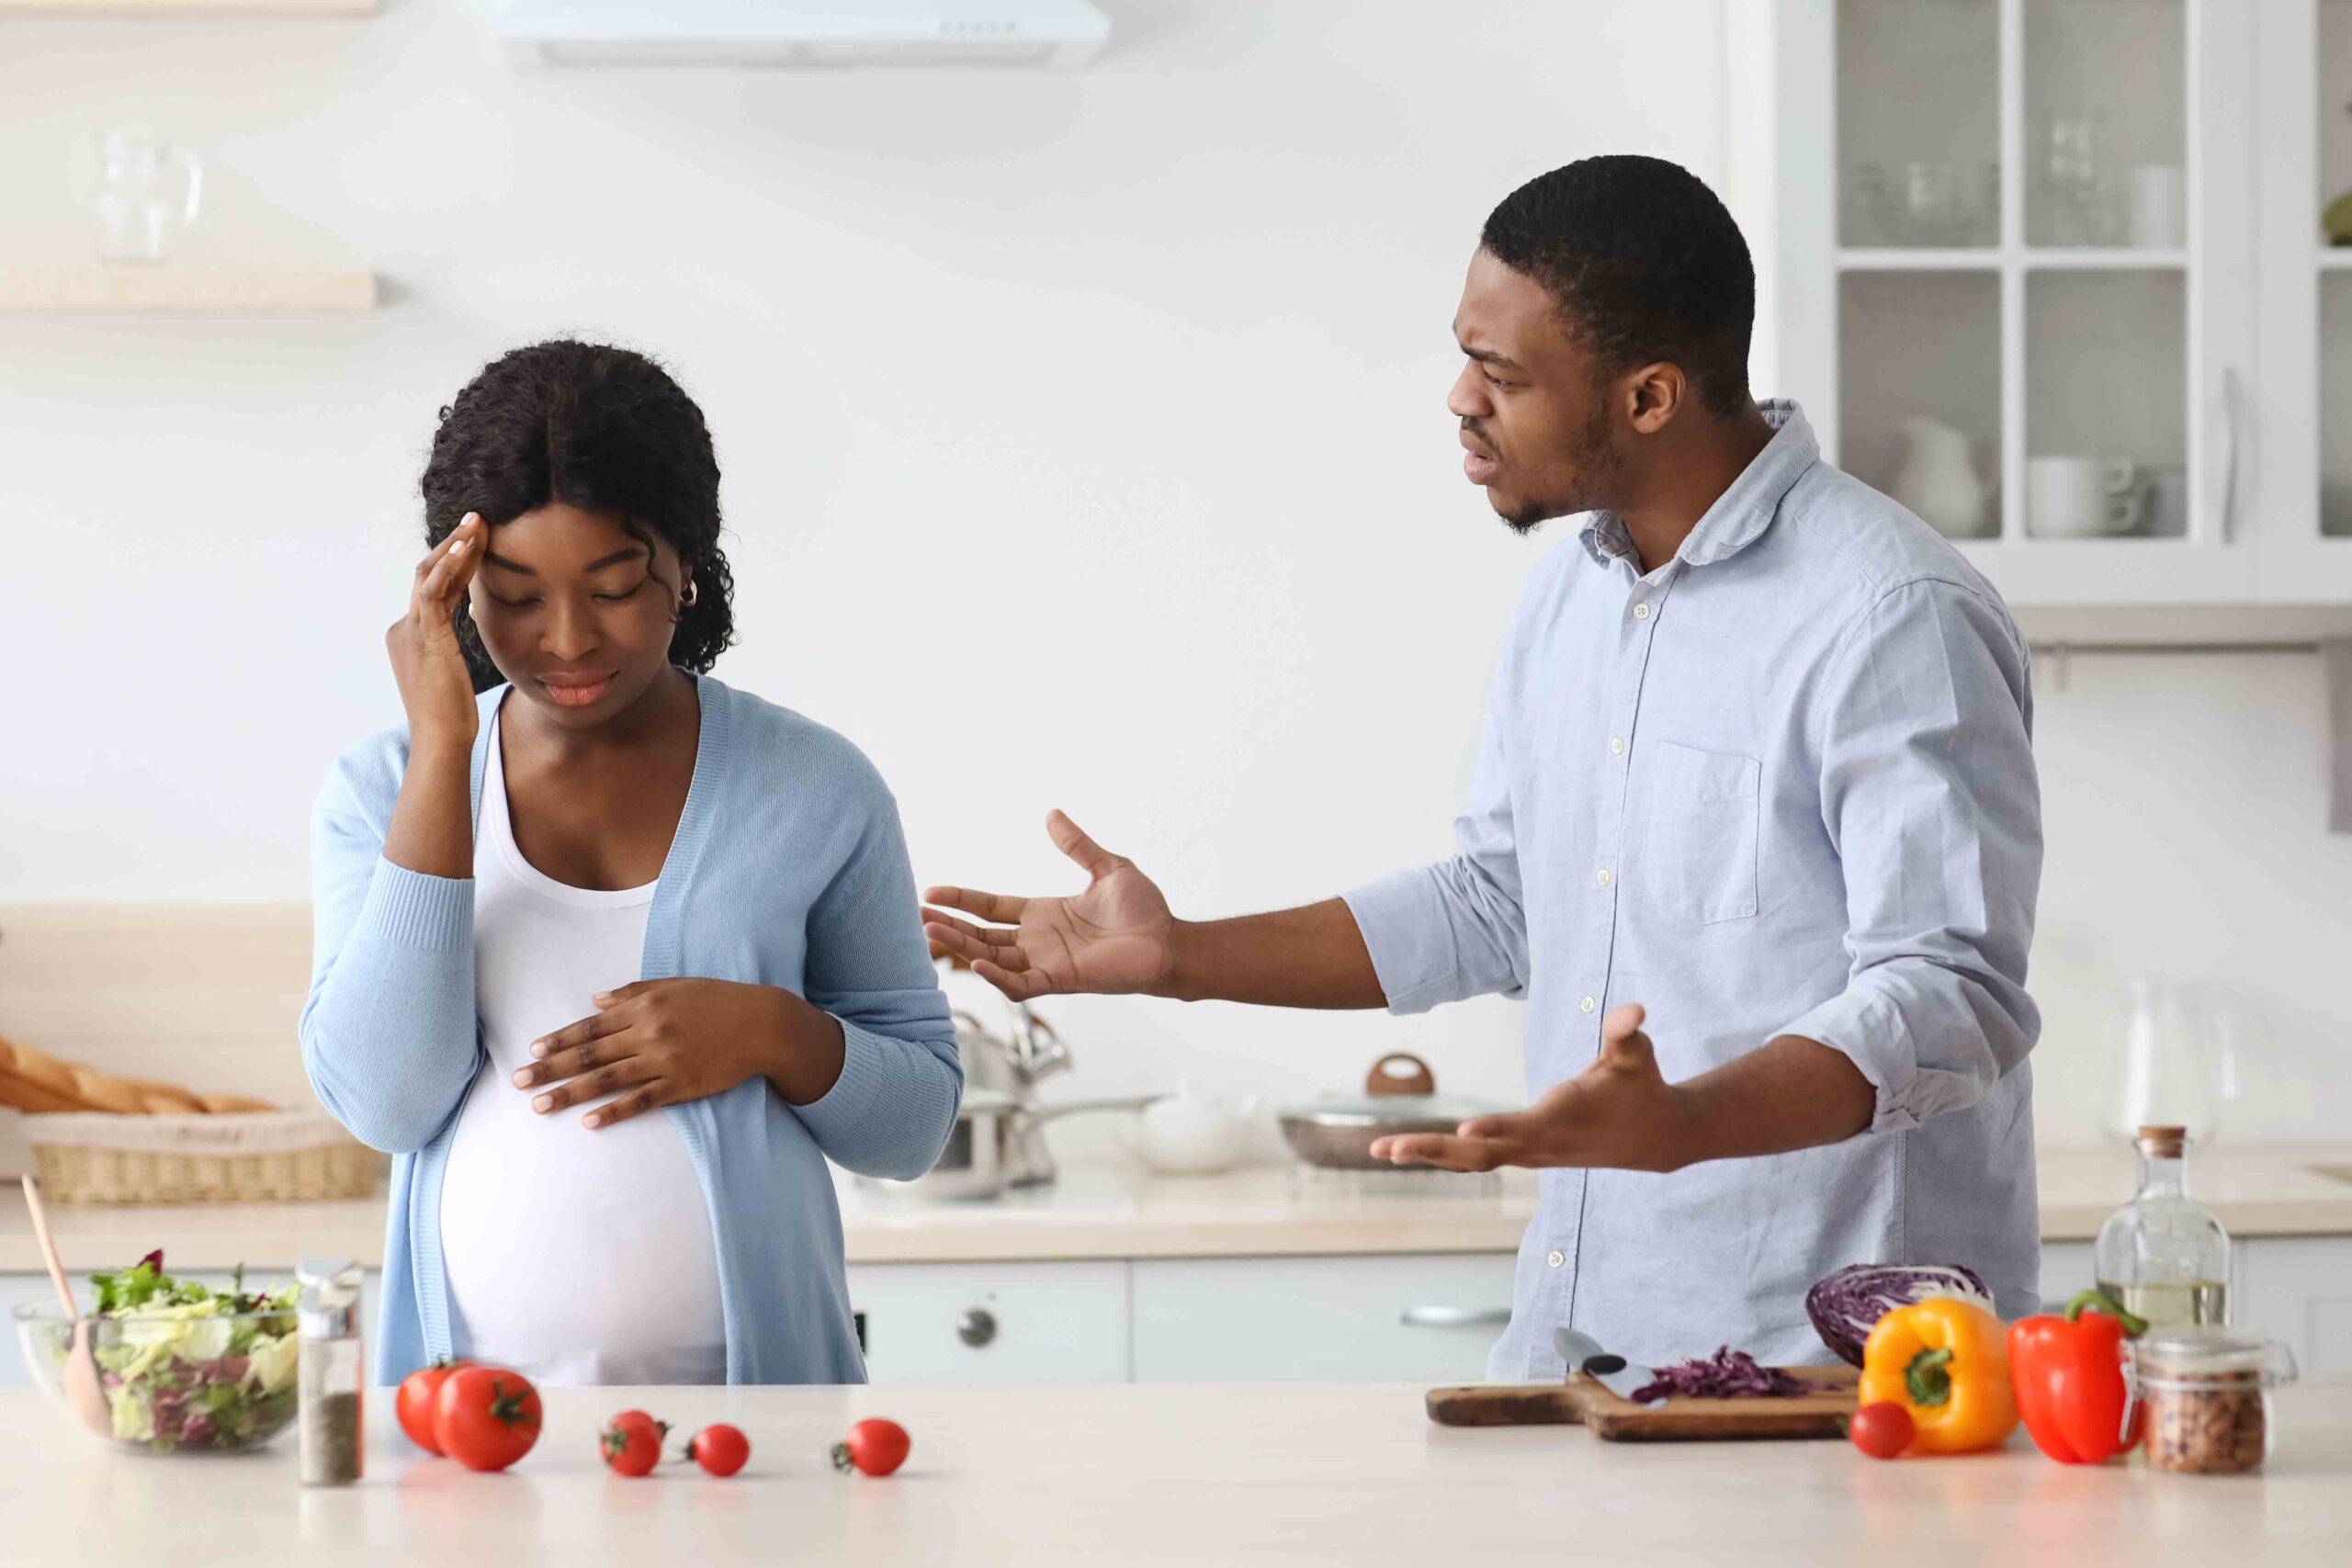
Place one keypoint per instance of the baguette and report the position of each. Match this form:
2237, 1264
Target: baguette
33, 1080
20, 1093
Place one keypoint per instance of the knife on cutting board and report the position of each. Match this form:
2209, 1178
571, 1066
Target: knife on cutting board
1583, 1354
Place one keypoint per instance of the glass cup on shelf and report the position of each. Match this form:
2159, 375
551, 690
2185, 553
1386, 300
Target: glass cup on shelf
2075, 173
142, 193
1928, 203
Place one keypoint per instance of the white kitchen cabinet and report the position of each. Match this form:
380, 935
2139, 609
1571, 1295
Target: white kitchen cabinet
2066, 1269
18, 1290
2300, 1287
2044, 224
992, 1323
2302, 407
1412, 1318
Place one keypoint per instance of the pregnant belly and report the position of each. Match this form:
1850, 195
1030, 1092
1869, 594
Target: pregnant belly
578, 1257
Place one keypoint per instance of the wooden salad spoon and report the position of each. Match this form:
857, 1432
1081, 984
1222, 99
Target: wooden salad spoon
83, 1392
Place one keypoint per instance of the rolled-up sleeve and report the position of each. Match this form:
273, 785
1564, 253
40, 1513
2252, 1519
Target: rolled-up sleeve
1925, 730
1439, 933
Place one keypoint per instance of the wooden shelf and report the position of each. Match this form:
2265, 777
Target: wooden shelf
93, 285
187, 7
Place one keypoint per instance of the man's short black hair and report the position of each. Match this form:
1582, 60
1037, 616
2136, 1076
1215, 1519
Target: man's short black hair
1645, 265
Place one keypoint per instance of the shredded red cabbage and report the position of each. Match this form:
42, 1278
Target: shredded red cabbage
1727, 1375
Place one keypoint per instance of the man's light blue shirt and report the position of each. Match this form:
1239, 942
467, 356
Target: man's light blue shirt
1782, 785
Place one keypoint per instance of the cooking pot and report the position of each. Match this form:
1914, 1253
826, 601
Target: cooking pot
1338, 1133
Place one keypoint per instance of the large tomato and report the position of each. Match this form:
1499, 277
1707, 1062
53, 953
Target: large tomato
415, 1403
486, 1417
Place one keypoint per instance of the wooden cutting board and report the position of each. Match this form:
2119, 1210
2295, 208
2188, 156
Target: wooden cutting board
1582, 1401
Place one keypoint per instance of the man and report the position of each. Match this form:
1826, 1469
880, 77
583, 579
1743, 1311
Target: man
1755, 828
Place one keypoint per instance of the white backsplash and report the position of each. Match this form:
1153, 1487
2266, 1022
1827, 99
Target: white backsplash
1141, 363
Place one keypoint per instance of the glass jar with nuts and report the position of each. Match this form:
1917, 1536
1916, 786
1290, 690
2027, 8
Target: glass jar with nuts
2206, 1390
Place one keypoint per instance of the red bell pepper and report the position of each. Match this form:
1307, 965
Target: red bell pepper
2068, 1373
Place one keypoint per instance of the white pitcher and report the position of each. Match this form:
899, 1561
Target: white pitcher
1938, 480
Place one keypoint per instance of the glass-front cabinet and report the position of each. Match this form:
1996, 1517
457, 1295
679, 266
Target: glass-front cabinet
2057, 275
2303, 131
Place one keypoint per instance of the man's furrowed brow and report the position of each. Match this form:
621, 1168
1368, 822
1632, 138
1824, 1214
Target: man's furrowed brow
1487, 356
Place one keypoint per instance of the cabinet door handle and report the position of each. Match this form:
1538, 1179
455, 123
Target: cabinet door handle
2232, 414
975, 1328
1454, 1317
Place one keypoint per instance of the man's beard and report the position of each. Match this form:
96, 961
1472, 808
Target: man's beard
1598, 470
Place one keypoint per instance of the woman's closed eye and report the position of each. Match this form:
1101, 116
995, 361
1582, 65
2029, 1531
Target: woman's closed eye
605, 598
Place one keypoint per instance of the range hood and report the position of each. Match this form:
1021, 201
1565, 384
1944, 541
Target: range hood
800, 32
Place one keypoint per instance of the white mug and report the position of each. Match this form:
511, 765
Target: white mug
2081, 498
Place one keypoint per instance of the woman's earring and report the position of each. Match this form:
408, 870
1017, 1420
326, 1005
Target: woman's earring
692, 589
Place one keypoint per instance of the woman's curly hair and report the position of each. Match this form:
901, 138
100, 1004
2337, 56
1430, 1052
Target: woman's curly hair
602, 429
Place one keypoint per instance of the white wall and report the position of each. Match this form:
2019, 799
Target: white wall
1084, 447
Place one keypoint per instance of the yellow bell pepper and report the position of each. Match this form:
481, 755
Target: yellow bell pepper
1947, 1362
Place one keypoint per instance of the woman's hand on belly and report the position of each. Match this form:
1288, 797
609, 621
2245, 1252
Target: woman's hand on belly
656, 1043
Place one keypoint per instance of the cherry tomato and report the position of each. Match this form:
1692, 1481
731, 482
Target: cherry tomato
876, 1447
486, 1417
1882, 1430
719, 1449
415, 1402
631, 1442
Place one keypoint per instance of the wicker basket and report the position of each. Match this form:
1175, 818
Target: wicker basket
272, 1157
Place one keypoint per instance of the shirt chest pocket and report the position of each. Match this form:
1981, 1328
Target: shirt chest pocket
1698, 845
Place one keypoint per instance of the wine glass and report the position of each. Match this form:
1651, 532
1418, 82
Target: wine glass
2180, 1065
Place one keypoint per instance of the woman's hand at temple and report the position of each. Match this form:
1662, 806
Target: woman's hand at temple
1116, 936
437, 690
656, 1043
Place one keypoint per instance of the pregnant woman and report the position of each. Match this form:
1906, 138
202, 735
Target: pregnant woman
609, 955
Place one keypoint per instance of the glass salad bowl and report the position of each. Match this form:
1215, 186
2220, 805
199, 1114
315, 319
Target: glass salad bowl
185, 1378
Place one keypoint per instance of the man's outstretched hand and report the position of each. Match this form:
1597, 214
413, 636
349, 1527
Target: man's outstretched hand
1116, 936
1619, 1112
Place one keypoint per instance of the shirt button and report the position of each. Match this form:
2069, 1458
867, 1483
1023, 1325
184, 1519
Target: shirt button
1588, 1004
1641, 611
1601, 876
1555, 1259
1617, 746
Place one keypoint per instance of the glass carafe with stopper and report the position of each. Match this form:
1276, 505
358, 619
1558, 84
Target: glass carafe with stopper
2163, 1255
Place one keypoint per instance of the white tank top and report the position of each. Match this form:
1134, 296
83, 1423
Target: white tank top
572, 1256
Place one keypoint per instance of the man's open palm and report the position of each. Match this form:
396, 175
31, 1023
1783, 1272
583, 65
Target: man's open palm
1116, 936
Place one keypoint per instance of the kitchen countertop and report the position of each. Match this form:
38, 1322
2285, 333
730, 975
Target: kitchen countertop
1349, 1472
1097, 1210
